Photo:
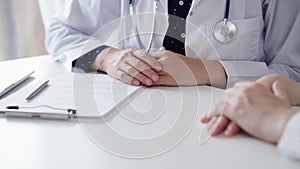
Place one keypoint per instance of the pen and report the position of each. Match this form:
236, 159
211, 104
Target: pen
37, 91
56, 114
42, 115
67, 114
14, 85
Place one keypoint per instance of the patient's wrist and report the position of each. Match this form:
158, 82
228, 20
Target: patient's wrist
283, 121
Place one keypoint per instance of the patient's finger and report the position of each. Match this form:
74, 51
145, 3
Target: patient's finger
220, 125
217, 110
232, 129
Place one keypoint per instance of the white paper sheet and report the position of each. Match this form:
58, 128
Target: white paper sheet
89, 94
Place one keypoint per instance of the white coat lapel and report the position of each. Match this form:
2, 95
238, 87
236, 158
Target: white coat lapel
195, 4
164, 4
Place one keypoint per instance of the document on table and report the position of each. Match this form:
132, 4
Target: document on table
89, 94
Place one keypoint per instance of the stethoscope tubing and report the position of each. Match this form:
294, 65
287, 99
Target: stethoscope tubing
226, 23
227, 10
139, 41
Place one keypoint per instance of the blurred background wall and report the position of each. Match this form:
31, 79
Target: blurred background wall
21, 26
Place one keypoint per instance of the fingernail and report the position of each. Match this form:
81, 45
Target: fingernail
212, 131
227, 133
155, 78
211, 128
203, 119
157, 66
148, 82
136, 83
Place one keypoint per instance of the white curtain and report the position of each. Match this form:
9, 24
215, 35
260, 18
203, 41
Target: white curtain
21, 29
22, 25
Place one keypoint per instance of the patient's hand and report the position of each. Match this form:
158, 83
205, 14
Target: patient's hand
292, 88
255, 109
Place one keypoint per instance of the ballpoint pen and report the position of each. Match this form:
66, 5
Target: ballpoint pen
57, 114
54, 114
37, 91
14, 85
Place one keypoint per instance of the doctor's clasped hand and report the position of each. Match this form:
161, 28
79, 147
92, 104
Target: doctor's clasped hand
137, 67
132, 66
179, 70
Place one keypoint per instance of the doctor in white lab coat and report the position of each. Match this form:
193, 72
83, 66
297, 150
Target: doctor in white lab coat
267, 41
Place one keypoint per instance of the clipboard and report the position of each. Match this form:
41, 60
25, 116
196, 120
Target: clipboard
91, 96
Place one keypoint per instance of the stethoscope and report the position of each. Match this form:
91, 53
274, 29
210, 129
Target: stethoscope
224, 31
138, 38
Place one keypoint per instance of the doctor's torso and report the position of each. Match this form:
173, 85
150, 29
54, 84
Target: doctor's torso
246, 14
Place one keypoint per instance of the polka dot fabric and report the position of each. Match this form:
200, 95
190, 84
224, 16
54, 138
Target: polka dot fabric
175, 37
84, 62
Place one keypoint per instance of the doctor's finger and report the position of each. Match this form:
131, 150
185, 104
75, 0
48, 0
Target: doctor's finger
123, 76
166, 81
143, 68
148, 59
133, 72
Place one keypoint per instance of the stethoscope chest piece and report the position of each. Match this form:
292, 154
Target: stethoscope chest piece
225, 31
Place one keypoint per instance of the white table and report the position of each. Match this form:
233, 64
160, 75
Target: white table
39, 144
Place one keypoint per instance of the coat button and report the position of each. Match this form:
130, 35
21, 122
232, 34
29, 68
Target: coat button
181, 3
183, 35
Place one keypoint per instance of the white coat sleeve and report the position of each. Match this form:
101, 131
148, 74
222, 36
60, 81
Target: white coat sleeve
281, 45
289, 144
76, 31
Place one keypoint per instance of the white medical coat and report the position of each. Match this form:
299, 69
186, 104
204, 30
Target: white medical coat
268, 39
